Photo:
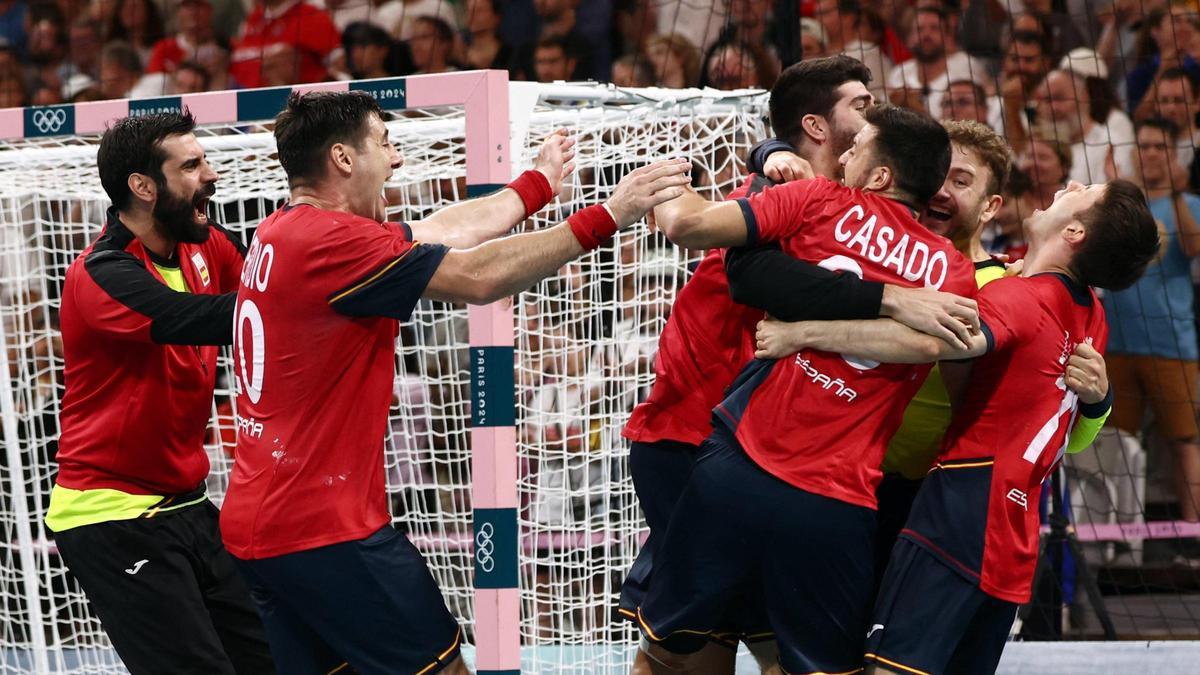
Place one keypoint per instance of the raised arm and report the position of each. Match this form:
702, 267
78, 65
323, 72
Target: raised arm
503, 267
882, 340
692, 221
472, 222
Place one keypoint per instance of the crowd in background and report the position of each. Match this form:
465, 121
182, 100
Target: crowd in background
1083, 90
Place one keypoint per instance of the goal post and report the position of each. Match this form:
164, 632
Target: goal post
504, 460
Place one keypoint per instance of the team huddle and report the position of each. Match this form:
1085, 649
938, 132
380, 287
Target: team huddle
778, 458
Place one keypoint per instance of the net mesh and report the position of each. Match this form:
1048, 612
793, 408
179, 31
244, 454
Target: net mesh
585, 341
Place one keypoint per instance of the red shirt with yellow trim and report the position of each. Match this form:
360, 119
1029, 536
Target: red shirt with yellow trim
817, 420
321, 297
978, 507
707, 340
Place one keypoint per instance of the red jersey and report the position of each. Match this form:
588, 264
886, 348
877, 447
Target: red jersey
321, 297
978, 507
818, 420
138, 392
707, 340
306, 28
169, 52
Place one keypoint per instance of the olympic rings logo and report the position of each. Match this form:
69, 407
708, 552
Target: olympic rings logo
484, 547
49, 121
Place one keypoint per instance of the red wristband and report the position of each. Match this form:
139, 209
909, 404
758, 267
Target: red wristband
534, 190
592, 226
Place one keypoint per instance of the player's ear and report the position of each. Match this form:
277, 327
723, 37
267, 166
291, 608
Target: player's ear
815, 128
990, 209
339, 155
143, 187
1074, 233
880, 180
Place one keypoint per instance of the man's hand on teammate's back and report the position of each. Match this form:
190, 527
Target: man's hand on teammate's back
1086, 374
644, 188
943, 315
777, 339
782, 167
556, 158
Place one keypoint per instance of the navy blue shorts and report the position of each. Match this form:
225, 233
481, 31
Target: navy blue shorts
371, 603
737, 527
660, 471
931, 619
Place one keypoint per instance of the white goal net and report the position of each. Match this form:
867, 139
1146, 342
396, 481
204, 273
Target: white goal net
585, 341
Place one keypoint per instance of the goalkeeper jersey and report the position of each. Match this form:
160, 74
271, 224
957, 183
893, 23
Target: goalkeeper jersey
978, 508
319, 306
912, 450
140, 338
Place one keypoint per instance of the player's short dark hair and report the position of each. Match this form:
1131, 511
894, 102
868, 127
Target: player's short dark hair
134, 145
914, 147
810, 88
1121, 238
1162, 124
313, 122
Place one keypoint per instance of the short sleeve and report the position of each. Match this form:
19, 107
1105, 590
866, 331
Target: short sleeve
776, 212
1003, 313
376, 269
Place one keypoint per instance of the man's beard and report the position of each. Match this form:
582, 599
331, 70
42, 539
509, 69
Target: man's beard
840, 141
1066, 130
928, 55
175, 217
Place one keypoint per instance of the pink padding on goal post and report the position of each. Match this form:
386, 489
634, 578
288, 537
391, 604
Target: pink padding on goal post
215, 107
490, 131
497, 635
94, 117
494, 467
444, 89
491, 325
12, 123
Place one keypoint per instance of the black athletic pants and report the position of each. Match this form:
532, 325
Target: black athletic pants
167, 593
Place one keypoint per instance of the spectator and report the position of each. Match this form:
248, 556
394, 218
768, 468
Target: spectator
369, 51
936, 62
193, 21
46, 49
1173, 98
753, 22
83, 47
1047, 163
432, 45
285, 41
413, 11
633, 20
1120, 28
383, 13
814, 41
674, 61
484, 48
1076, 106
139, 23
1060, 27
558, 20
1170, 39
12, 24
1152, 337
189, 77
631, 71
737, 65
12, 87
215, 60
964, 100
120, 70
1006, 235
1026, 64
553, 60
857, 31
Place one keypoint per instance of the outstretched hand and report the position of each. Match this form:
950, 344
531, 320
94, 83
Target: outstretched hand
556, 158
644, 188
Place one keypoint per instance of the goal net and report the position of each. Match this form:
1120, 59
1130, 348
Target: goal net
585, 342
